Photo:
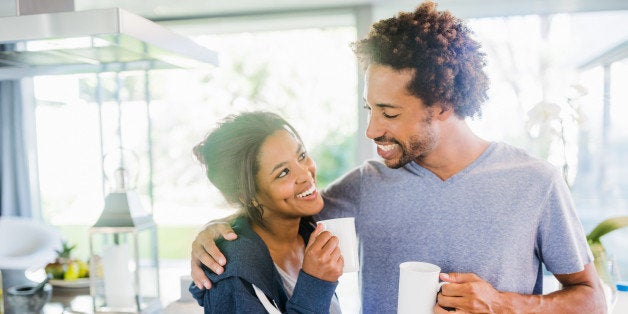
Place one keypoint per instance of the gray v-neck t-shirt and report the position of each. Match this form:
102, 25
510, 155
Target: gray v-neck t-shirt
502, 218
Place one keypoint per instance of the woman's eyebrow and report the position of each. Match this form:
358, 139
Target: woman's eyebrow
277, 166
281, 164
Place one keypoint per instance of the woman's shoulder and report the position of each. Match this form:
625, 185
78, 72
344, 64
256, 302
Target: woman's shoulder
247, 248
247, 256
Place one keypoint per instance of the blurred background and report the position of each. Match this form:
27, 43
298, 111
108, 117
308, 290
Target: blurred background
558, 70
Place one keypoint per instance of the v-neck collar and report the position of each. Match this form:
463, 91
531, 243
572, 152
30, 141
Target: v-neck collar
421, 171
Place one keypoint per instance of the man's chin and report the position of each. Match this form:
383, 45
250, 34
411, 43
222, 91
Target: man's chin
393, 163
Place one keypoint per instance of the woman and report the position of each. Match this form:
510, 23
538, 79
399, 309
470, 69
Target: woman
258, 162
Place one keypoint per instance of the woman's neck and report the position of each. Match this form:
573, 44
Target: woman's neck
285, 244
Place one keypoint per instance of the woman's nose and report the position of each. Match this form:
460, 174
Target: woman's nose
304, 173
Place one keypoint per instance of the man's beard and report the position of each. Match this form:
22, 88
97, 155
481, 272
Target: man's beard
418, 145
418, 148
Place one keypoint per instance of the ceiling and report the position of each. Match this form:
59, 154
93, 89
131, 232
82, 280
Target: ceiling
182, 14
615, 31
168, 9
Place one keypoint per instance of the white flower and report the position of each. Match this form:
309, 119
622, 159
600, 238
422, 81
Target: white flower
542, 114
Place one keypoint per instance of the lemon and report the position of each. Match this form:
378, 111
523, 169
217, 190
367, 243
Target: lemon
83, 268
72, 271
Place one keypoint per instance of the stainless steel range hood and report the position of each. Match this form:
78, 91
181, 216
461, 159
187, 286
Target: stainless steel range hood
87, 41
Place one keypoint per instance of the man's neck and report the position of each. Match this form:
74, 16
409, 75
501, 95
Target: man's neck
457, 148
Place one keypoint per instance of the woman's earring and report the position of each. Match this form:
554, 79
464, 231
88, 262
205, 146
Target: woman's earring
258, 207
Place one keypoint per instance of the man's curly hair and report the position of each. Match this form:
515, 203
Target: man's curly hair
448, 63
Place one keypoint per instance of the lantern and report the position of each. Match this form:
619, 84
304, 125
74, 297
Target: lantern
124, 268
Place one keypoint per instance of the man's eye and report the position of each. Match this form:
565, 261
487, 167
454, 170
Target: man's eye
387, 116
302, 156
365, 106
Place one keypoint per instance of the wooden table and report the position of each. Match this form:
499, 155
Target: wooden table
69, 300
75, 301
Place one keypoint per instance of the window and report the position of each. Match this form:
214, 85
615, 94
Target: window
307, 75
542, 100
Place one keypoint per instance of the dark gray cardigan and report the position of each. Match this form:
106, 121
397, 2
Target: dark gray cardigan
249, 262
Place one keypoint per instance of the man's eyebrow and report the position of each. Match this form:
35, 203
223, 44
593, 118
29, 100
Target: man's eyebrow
385, 106
380, 105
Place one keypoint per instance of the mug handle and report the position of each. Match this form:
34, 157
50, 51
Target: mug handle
440, 287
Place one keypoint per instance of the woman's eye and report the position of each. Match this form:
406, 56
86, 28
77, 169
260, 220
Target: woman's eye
283, 173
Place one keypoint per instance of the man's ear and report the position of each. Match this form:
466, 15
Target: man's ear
444, 111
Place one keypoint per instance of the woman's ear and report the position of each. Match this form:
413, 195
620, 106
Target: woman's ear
243, 201
253, 202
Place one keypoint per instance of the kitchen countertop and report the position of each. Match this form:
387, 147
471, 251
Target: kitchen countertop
69, 300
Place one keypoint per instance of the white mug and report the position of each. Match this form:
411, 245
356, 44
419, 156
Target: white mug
344, 230
418, 287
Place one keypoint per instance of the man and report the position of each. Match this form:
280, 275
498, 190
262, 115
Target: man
487, 213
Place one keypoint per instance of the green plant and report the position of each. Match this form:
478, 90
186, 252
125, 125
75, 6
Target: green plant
65, 254
597, 248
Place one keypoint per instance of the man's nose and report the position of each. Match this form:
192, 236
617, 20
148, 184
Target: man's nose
373, 129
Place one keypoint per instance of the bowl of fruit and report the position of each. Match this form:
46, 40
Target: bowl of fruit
67, 271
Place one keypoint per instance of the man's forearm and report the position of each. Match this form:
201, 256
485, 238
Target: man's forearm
572, 299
